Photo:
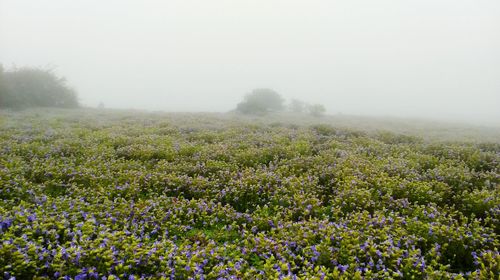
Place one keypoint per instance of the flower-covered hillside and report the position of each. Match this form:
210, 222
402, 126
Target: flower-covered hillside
191, 196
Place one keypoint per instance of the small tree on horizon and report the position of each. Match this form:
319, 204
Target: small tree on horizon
3, 88
316, 110
260, 101
297, 106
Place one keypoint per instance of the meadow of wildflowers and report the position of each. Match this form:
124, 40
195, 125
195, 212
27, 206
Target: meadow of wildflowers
151, 196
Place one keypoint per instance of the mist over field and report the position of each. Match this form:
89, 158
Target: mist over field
249, 139
423, 59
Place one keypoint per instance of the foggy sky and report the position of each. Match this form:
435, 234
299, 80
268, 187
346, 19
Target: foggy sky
424, 58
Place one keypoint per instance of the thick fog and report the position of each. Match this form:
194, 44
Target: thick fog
419, 58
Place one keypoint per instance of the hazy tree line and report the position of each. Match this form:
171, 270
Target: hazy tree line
264, 100
37, 87
34, 87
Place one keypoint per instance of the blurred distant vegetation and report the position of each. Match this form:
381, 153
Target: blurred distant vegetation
34, 87
263, 100
316, 110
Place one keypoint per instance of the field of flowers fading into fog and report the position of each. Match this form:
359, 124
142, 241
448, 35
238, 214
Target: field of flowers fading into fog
190, 196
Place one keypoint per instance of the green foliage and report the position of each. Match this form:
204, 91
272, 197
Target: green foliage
3, 88
34, 87
200, 197
261, 101
297, 106
316, 110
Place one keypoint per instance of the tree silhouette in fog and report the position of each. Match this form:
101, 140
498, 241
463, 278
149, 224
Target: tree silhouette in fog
262, 100
316, 110
35, 87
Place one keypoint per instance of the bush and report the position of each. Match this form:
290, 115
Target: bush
3, 87
35, 87
297, 106
316, 110
260, 101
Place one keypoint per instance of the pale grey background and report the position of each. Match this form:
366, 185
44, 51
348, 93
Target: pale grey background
411, 58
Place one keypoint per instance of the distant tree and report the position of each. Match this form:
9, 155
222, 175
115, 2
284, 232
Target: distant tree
101, 105
260, 101
316, 110
297, 106
35, 87
3, 88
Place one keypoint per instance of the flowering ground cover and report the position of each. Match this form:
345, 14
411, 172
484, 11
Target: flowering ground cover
187, 196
